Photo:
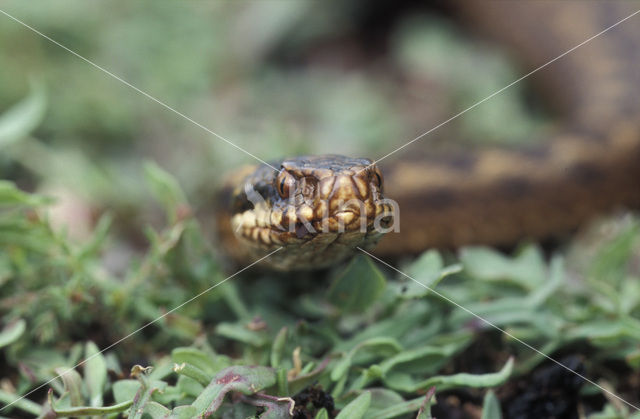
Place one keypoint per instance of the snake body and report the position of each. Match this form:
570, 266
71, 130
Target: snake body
588, 165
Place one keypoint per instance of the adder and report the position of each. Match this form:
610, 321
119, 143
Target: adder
590, 164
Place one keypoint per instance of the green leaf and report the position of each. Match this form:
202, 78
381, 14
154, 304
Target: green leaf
427, 267
282, 382
491, 406
17, 122
189, 386
95, 374
277, 347
368, 375
607, 331
397, 409
20, 403
238, 331
470, 380
629, 296
382, 346
166, 189
184, 412
406, 319
72, 385
10, 195
358, 286
88, 411
509, 311
156, 410
322, 414
555, 281
357, 408
427, 271
12, 332
381, 399
98, 237
421, 360
610, 261
244, 379
124, 390
191, 371
195, 357
527, 269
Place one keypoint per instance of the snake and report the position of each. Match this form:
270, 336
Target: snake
315, 211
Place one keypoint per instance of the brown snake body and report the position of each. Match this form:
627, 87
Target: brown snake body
590, 164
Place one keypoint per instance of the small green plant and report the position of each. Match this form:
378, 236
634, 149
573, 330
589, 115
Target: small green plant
381, 354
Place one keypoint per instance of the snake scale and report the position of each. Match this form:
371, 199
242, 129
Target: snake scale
588, 165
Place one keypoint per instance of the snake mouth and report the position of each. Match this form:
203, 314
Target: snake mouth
298, 229
349, 217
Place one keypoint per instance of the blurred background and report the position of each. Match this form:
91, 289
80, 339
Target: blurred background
277, 78
116, 247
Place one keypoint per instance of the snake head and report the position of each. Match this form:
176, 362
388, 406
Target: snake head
318, 208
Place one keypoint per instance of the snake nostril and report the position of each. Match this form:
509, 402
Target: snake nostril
301, 230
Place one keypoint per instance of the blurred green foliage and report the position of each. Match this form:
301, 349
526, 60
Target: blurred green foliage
69, 132
57, 295
217, 62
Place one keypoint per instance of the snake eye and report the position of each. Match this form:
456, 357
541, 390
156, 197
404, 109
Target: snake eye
377, 176
284, 183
